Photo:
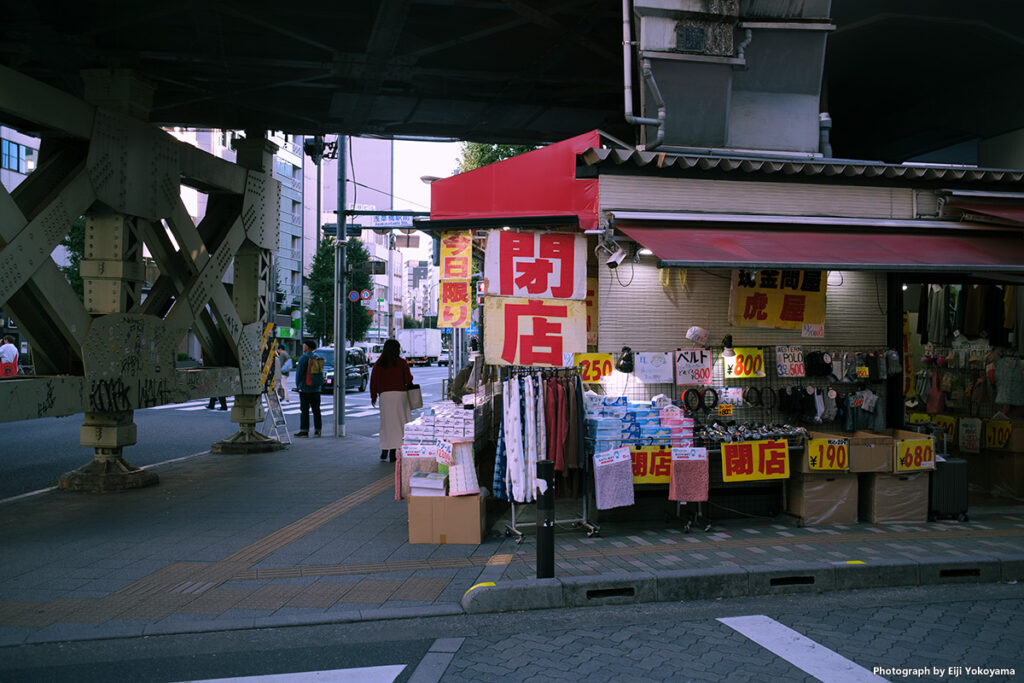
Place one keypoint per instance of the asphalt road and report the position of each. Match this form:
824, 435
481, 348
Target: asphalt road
891, 634
37, 452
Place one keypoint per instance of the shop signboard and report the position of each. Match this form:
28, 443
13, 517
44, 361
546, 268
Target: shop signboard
593, 366
533, 332
651, 464
653, 368
755, 460
456, 270
789, 361
454, 305
540, 265
779, 299
747, 363
828, 455
693, 367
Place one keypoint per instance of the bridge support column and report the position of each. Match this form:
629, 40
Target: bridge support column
107, 433
251, 297
112, 273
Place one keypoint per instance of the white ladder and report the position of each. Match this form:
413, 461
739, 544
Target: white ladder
275, 421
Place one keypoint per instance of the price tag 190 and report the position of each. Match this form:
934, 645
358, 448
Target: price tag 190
828, 454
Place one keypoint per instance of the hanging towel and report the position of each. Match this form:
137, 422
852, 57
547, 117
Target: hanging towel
689, 480
936, 399
613, 479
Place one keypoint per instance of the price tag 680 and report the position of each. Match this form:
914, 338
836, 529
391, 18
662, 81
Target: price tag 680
594, 366
915, 454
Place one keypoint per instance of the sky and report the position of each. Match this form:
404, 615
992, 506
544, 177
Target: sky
413, 160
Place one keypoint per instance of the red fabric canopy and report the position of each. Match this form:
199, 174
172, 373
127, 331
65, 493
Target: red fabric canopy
1010, 212
539, 183
739, 248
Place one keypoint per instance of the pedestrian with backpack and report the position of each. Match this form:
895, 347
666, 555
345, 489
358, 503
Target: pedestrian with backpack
8, 357
309, 380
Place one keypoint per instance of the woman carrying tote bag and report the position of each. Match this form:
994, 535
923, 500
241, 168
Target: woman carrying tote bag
388, 380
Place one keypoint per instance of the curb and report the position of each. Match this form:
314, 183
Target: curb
734, 582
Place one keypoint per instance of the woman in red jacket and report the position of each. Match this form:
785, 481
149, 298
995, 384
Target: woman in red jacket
388, 380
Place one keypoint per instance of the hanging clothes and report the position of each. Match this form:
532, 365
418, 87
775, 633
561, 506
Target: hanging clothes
974, 311
530, 434
994, 316
936, 398
922, 313
515, 476
1010, 381
938, 312
500, 460
1019, 319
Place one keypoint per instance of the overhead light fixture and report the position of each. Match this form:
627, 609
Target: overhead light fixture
645, 252
506, 227
727, 351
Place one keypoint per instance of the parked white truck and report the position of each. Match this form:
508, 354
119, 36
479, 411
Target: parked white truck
420, 346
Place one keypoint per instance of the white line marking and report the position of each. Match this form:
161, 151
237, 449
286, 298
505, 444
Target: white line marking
799, 650
369, 674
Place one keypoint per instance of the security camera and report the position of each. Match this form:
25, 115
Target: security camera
616, 258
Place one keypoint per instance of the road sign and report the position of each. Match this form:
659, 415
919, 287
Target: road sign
365, 294
353, 295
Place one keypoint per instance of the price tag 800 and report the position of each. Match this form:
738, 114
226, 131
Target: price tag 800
594, 366
915, 454
748, 362
828, 454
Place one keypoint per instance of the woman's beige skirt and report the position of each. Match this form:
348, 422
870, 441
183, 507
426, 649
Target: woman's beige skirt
394, 413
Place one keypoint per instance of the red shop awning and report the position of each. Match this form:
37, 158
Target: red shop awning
700, 247
1006, 210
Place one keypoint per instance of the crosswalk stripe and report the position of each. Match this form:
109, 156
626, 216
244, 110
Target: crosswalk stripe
799, 650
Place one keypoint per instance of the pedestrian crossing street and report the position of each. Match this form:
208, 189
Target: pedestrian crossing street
354, 407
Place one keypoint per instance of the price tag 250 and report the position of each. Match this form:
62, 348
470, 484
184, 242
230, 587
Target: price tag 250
594, 366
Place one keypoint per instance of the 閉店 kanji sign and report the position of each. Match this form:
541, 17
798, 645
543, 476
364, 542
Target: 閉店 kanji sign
780, 299
755, 460
539, 265
533, 331
454, 291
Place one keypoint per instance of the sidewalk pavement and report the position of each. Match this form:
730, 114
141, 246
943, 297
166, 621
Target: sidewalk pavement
312, 534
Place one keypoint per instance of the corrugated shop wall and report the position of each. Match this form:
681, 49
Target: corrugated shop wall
637, 310
650, 310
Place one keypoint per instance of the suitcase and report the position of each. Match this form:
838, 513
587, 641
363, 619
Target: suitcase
948, 497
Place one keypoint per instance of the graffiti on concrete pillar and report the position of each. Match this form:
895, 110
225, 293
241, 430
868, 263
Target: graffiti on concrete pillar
108, 396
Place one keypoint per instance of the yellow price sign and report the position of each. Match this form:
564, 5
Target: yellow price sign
748, 362
918, 418
594, 366
863, 372
915, 454
755, 460
724, 409
997, 433
651, 464
947, 423
828, 454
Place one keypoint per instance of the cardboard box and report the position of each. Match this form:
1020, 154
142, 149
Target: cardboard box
447, 519
1007, 474
833, 452
870, 452
824, 498
893, 497
866, 449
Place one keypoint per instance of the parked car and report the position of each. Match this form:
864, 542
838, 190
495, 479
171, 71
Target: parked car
357, 369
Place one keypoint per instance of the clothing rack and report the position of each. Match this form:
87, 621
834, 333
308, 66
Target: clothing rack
582, 520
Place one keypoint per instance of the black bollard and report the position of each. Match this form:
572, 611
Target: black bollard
546, 521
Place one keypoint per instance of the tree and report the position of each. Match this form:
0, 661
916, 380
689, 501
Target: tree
74, 244
477, 154
320, 311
